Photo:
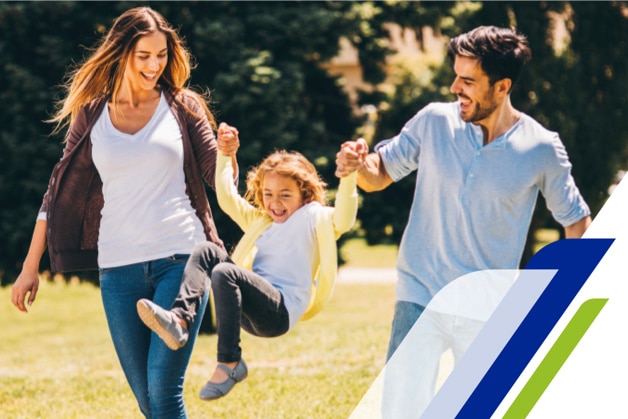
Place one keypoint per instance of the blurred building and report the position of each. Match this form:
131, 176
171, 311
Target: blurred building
410, 51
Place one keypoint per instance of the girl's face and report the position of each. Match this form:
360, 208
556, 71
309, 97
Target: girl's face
282, 196
147, 61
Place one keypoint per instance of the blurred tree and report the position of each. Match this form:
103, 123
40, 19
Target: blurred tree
262, 62
38, 41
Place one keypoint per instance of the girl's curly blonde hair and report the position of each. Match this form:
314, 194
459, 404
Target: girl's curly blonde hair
293, 165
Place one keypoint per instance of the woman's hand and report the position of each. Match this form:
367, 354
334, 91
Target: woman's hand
26, 283
228, 141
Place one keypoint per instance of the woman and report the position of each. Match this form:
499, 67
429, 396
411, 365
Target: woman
127, 196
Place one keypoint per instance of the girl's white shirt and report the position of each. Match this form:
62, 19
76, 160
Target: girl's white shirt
147, 215
286, 256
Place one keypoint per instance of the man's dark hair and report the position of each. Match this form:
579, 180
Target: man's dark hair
502, 52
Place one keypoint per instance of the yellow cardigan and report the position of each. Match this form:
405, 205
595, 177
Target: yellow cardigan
331, 223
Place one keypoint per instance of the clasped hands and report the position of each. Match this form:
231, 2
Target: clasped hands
349, 159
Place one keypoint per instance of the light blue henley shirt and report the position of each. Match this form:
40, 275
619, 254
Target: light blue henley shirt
473, 204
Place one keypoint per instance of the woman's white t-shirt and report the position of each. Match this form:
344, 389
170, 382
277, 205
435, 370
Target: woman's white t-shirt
146, 215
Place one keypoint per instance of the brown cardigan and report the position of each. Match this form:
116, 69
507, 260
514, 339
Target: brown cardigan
74, 199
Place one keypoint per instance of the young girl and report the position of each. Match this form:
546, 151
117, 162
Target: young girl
282, 270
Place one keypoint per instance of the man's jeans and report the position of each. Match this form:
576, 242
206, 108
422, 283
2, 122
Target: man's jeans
418, 340
406, 314
154, 372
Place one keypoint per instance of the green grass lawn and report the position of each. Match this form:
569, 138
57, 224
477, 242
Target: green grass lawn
58, 361
357, 253
544, 237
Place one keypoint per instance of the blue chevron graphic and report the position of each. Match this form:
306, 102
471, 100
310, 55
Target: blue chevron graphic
575, 260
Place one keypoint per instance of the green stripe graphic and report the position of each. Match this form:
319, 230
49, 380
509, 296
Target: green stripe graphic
555, 358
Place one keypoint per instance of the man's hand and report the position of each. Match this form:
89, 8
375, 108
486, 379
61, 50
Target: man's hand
351, 157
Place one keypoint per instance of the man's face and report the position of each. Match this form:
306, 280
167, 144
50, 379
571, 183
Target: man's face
477, 97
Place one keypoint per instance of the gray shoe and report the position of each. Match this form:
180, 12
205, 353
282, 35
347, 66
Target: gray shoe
213, 391
163, 323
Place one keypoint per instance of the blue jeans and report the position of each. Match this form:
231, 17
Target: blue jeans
406, 314
154, 372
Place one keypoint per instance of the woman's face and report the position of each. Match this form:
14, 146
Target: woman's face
147, 62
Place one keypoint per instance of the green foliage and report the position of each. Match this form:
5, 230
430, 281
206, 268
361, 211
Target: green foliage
593, 113
261, 61
37, 43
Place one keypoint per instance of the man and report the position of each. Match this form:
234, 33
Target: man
480, 165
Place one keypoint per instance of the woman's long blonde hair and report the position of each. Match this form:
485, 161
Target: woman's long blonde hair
102, 72
291, 164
